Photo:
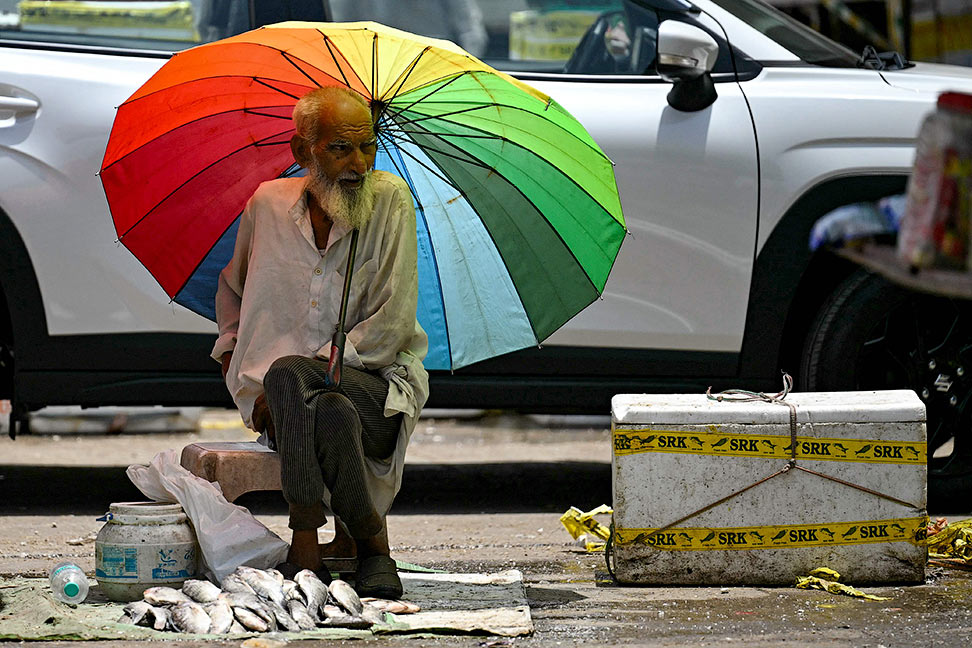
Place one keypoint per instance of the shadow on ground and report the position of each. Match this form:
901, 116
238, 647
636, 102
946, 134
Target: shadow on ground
448, 488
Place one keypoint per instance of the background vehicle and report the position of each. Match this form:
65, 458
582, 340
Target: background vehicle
714, 286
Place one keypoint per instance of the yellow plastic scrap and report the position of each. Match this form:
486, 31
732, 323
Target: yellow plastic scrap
826, 579
953, 541
578, 523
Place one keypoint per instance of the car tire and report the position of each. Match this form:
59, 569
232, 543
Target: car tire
872, 334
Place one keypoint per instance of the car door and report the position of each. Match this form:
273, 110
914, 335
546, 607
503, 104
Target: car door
689, 187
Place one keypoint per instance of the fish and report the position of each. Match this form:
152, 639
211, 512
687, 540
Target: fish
372, 615
234, 583
344, 620
345, 596
283, 617
200, 591
221, 615
300, 614
190, 617
387, 605
161, 617
164, 596
134, 612
314, 591
277, 575
251, 602
249, 620
292, 592
263, 583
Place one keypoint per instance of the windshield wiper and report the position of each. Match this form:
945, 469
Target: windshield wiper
870, 58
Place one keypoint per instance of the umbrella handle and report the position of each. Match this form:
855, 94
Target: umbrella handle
336, 360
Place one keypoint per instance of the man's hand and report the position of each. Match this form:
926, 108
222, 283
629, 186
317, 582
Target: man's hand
262, 421
225, 360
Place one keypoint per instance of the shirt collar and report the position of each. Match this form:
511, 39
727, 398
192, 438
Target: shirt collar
299, 211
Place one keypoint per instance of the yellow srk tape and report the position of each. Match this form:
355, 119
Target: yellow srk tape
634, 441
911, 530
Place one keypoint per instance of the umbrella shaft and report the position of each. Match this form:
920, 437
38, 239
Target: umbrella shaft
336, 360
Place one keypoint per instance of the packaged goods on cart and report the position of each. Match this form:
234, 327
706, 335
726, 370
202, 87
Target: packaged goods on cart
935, 229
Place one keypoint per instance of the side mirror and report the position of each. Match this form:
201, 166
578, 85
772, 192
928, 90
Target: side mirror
686, 55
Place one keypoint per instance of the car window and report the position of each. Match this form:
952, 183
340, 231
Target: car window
803, 41
572, 36
521, 35
166, 25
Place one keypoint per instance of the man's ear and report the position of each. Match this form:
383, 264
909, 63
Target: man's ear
298, 146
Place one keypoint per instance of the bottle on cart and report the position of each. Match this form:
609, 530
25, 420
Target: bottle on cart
69, 583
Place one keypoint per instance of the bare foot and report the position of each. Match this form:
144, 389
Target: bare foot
304, 550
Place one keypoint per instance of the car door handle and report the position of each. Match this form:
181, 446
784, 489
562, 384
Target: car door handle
19, 104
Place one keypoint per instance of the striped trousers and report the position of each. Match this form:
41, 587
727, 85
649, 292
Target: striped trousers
323, 438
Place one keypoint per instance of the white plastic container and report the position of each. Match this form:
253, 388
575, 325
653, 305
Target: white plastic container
676, 454
142, 545
68, 583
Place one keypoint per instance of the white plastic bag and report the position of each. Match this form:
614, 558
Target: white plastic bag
228, 535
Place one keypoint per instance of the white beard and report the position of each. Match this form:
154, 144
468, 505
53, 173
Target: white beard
353, 208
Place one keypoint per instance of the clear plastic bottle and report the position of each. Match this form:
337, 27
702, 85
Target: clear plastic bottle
69, 583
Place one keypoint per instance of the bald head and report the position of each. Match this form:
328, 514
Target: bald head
331, 103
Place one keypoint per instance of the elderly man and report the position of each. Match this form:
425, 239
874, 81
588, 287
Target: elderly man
277, 307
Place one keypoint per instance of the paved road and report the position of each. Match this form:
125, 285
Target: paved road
483, 492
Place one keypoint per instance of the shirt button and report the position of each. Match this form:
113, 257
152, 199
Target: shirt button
314, 303
317, 271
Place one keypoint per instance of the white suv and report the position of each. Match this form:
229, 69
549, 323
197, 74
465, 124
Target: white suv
720, 184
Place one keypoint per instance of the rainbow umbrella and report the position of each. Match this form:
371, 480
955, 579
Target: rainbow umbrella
519, 221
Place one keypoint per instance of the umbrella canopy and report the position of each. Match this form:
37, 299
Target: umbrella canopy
519, 221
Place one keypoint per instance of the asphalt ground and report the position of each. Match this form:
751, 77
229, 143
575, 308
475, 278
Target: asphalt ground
483, 491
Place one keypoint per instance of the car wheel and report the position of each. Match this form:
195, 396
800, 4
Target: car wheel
872, 334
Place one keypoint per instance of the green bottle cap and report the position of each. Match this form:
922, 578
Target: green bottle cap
71, 589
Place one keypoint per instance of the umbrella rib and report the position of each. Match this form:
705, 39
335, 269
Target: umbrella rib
327, 43
412, 120
193, 177
467, 159
374, 65
421, 99
193, 121
299, 69
431, 170
402, 172
249, 111
412, 132
283, 92
404, 77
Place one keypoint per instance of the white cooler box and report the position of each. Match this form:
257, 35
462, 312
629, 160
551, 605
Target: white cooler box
675, 454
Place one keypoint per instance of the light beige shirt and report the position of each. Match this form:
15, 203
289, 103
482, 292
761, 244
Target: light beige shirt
279, 295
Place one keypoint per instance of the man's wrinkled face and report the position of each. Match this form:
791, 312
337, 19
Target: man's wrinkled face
347, 145
341, 162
